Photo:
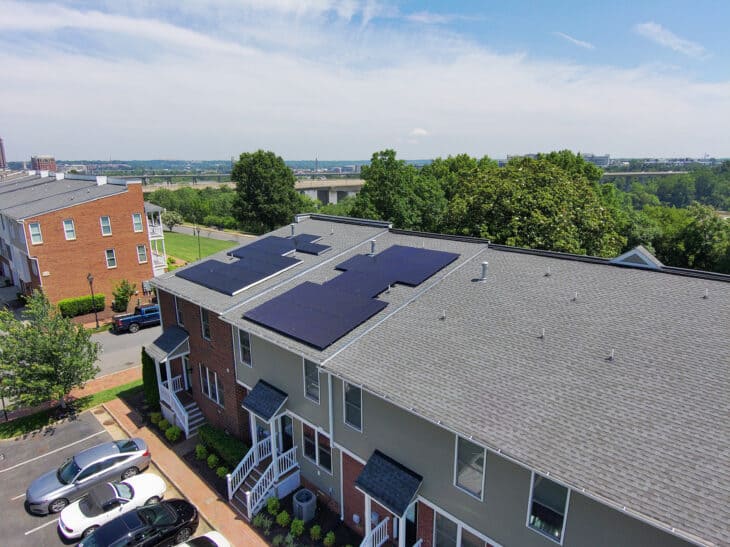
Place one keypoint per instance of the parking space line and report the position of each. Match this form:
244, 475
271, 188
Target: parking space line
18, 497
54, 521
53, 451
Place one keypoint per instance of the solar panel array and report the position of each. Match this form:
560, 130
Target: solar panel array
303, 243
319, 315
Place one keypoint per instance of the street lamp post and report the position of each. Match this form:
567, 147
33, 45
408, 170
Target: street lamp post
90, 279
197, 233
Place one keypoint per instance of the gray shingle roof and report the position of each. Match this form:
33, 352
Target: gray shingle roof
264, 400
170, 340
390, 483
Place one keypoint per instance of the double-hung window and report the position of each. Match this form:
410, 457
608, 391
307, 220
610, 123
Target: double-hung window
317, 447
137, 222
311, 381
244, 347
353, 406
142, 254
205, 323
448, 533
69, 229
469, 470
548, 505
106, 225
36, 237
111, 258
211, 385
178, 313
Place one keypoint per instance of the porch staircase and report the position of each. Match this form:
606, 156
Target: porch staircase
195, 415
239, 498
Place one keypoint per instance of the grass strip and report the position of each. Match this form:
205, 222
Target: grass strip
185, 247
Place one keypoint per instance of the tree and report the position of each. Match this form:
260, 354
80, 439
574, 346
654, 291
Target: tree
266, 197
45, 357
122, 292
171, 219
149, 381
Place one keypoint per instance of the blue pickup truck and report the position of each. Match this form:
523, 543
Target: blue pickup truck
143, 316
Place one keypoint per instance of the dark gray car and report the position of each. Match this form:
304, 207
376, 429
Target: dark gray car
54, 490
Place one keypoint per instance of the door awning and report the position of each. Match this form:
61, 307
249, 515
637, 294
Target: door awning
173, 342
390, 483
265, 400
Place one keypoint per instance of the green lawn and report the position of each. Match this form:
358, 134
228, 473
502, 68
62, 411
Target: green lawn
185, 247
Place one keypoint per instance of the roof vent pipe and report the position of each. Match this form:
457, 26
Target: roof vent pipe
292, 228
372, 247
485, 269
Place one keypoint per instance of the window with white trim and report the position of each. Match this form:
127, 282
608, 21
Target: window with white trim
446, 532
137, 222
244, 347
111, 258
106, 225
142, 254
353, 406
311, 381
205, 323
211, 385
469, 472
178, 313
548, 504
36, 237
69, 229
317, 447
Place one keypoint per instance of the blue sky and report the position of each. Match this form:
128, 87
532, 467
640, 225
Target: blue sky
340, 79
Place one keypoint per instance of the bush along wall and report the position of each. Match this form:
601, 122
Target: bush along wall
230, 449
81, 305
149, 380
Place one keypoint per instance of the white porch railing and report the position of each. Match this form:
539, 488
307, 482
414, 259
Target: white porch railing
260, 451
287, 461
378, 535
256, 497
177, 384
173, 402
418, 543
158, 260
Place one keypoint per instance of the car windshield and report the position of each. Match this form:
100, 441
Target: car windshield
124, 490
126, 446
157, 515
68, 471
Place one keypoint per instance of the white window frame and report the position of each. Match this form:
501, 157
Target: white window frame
134, 222
212, 382
317, 434
248, 363
565, 513
456, 468
460, 526
344, 407
319, 383
178, 313
144, 248
65, 229
114, 258
101, 224
204, 323
40, 233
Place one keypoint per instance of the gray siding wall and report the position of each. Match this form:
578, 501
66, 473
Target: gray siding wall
327, 483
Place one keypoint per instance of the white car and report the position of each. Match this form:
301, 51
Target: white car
107, 501
211, 539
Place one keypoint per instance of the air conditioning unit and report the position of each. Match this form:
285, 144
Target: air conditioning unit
305, 504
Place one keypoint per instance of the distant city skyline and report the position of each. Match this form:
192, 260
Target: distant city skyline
345, 78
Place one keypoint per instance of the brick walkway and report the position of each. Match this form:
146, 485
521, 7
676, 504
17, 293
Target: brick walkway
219, 514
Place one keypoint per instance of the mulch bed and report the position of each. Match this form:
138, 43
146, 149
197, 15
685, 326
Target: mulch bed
207, 474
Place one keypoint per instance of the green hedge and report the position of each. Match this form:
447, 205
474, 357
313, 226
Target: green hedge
71, 307
230, 449
149, 377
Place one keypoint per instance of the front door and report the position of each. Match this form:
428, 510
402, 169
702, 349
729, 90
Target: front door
285, 434
188, 375
411, 517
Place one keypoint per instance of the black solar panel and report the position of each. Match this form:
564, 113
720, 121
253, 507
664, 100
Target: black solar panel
303, 243
363, 284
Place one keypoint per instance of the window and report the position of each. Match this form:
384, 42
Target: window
178, 313
35, 233
353, 406
205, 323
446, 532
106, 226
469, 466
111, 258
317, 447
548, 504
244, 345
141, 254
211, 385
311, 381
69, 229
137, 222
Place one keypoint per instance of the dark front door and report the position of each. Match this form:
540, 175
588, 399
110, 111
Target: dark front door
188, 374
411, 517
286, 434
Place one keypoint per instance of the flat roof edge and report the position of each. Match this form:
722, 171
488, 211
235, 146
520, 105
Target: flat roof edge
344, 220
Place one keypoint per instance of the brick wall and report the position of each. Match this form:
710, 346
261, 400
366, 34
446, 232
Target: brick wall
354, 500
425, 524
166, 301
63, 265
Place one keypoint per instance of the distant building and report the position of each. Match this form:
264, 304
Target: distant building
3, 160
43, 163
598, 161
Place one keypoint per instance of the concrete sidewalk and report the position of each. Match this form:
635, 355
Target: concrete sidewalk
215, 510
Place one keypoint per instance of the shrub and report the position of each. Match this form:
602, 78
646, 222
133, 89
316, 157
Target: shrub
273, 506
268, 523
297, 528
201, 453
155, 417
122, 292
289, 540
278, 540
283, 519
81, 305
149, 379
213, 461
173, 433
222, 471
258, 520
230, 449
315, 532
329, 539
163, 424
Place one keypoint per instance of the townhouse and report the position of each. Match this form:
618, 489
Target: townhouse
442, 391
56, 229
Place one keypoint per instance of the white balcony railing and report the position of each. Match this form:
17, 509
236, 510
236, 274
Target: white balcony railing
155, 230
158, 260
378, 535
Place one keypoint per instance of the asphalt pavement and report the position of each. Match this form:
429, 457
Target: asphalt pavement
121, 351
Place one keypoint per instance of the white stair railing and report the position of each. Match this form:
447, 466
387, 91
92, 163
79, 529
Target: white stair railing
418, 543
173, 402
260, 451
287, 461
377, 536
258, 494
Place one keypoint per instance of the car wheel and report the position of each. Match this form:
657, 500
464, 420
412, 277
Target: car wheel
134, 327
89, 531
152, 500
57, 505
130, 472
183, 535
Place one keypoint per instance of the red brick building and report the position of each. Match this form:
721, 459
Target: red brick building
43, 163
55, 230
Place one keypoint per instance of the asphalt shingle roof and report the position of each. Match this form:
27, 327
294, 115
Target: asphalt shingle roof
171, 339
390, 483
264, 400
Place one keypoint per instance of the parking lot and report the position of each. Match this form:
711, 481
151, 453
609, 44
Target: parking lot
23, 459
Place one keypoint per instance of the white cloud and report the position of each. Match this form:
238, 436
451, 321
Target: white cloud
579, 43
418, 132
664, 37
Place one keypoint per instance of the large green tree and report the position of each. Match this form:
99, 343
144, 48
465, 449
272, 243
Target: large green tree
44, 357
266, 197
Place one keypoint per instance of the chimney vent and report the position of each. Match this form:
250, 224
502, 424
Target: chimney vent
292, 225
372, 247
485, 270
